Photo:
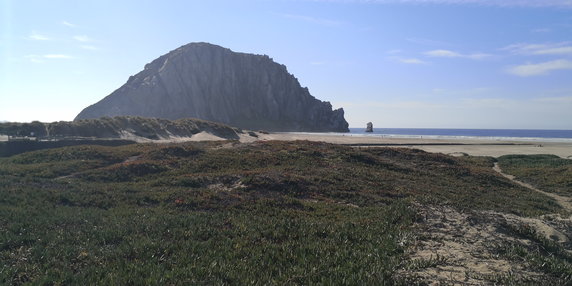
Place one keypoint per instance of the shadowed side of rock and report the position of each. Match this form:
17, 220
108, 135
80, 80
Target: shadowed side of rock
209, 82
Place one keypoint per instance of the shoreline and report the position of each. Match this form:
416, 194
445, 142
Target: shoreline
437, 137
456, 147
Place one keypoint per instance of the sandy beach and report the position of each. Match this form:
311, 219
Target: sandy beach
456, 147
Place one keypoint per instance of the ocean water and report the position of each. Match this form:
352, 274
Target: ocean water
494, 134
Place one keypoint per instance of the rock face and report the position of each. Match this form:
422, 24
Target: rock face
210, 82
369, 127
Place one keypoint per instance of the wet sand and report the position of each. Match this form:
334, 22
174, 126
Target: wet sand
457, 147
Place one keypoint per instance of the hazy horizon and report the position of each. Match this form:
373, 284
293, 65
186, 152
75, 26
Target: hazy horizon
467, 64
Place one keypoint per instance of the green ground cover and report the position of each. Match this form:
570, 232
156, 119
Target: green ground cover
230, 213
549, 173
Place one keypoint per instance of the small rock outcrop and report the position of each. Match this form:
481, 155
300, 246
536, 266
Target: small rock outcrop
369, 127
213, 83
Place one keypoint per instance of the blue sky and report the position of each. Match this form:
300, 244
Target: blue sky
397, 63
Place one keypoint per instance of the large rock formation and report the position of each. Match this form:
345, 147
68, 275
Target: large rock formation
214, 83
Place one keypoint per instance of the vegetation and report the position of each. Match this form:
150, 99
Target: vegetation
542, 254
9, 148
115, 127
547, 172
230, 213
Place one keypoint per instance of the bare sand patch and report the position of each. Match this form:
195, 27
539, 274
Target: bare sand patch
205, 136
201, 136
458, 248
455, 147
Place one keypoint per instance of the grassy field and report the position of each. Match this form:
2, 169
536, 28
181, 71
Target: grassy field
230, 213
547, 172
116, 127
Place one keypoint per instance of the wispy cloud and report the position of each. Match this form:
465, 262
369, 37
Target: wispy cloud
38, 37
83, 38
410, 61
443, 54
404, 60
89, 47
314, 20
66, 23
544, 68
453, 54
564, 48
499, 3
57, 56
43, 58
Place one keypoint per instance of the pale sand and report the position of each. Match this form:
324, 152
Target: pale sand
474, 147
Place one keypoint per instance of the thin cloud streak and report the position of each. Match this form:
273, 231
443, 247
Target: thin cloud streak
89, 47
57, 56
443, 54
540, 49
452, 54
410, 61
544, 68
37, 37
83, 38
66, 23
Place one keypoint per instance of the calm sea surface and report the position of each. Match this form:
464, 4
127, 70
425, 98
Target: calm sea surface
564, 135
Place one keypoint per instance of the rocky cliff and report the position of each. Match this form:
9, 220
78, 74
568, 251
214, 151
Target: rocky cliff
210, 82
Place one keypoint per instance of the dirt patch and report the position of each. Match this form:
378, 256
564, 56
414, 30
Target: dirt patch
454, 247
458, 154
226, 187
131, 159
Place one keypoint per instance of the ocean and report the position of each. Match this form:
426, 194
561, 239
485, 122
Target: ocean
494, 134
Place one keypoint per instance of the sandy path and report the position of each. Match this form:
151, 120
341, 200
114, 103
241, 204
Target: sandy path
458, 246
563, 201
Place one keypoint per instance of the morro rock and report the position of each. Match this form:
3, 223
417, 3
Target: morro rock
210, 82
